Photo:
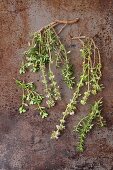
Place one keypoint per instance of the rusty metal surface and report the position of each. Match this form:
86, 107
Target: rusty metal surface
25, 142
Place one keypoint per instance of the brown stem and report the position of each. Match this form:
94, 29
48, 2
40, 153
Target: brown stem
57, 22
62, 29
79, 37
67, 22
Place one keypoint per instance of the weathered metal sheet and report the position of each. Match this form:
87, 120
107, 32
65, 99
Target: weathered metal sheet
25, 142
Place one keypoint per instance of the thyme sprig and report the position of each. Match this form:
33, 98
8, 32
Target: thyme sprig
90, 62
50, 101
92, 55
86, 123
31, 97
62, 58
71, 107
51, 40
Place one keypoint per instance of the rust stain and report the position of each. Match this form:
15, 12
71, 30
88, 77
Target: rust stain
25, 30
99, 148
87, 5
20, 7
10, 23
25, 139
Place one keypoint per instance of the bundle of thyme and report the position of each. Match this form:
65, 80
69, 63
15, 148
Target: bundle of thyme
91, 74
46, 48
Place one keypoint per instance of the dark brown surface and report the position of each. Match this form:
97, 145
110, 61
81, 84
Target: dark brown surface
25, 142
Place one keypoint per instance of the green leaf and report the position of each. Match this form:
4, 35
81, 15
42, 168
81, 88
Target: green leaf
22, 109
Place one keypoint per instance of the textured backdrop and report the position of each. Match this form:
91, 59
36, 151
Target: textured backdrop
25, 142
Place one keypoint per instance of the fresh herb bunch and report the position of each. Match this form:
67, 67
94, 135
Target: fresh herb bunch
31, 97
86, 124
90, 62
46, 47
37, 57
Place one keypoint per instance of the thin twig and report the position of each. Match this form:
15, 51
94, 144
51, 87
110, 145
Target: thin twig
95, 47
62, 29
68, 21
79, 37
57, 22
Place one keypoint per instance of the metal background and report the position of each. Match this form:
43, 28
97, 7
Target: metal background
25, 142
